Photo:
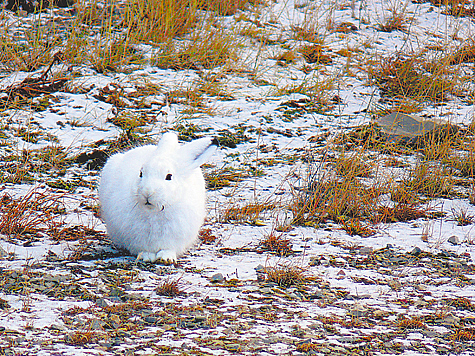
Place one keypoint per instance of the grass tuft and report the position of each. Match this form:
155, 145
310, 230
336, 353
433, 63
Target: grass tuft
248, 213
287, 276
170, 288
277, 244
206, 236
356, 227
412, 77
29, 215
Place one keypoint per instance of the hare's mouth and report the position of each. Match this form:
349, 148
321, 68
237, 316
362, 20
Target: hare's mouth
151, 206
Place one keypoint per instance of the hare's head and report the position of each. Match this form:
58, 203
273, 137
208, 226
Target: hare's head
164, 176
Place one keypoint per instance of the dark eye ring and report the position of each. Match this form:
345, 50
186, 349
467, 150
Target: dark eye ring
168, 177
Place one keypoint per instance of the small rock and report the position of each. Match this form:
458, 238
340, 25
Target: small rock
260, 269
416, 251
341, 274
57, 327
454, 240
151, 319
366, 250
217, 278
450, 320
430, 333
347, 339
358, 311
3, 253
314, 261
97, 324
316, 295
101, 302
378, 314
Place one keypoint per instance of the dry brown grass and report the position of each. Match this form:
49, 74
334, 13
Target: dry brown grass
105, 37
276, 243
287, 276
402, 211
335, 199
82, 337
248, 213
413, 77
356, 227
170, 287
27, 216
411, 323
204, 50
206, 236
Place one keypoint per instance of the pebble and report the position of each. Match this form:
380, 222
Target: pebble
380, 313
366, 250
97, 324
347, 339
358, 311
101, 302
416, 251
217, 278
260, 269
151, 319
450, 320
3, 253
316, 295
430, 333
454, 240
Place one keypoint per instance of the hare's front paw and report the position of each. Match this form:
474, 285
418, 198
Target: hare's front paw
147, 256
167, 256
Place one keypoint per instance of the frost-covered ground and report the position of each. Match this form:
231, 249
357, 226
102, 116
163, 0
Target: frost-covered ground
408, 289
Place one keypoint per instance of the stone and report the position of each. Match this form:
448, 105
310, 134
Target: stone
3, 253
97, 324
366, 250
260, 269
450, 320
411, 129
454, 240
416, 251
358, 311
217, 278
101, 302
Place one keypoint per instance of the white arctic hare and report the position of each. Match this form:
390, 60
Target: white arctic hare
153, 197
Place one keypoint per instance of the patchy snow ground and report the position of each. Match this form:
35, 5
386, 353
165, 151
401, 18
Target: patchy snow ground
408, 289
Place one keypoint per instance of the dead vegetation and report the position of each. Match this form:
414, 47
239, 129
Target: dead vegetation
29, 215
276, 243
287, 275
170, 287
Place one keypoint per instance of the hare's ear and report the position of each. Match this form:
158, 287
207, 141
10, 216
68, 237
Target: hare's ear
197, 152
168, 142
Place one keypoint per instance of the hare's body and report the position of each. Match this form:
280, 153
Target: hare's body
153, 197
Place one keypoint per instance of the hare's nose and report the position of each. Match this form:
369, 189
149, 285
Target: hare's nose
147, 199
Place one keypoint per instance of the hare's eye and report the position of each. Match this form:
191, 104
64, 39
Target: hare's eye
168, 177
141, 174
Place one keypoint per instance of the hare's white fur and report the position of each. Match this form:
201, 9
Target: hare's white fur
153, 197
